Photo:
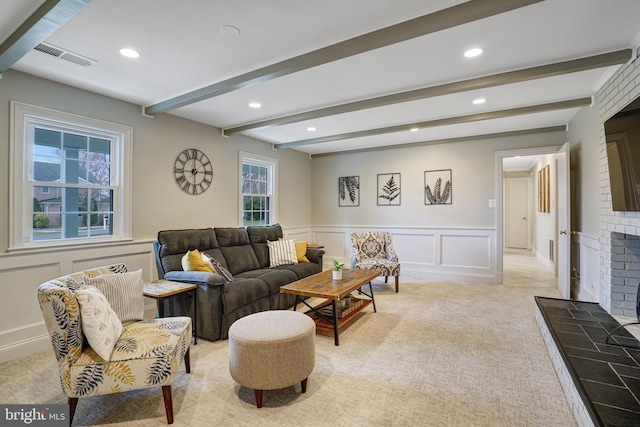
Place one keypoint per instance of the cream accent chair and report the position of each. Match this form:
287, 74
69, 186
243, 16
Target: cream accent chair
373, 250
147, 354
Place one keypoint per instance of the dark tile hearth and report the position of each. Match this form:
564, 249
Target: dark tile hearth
607, 377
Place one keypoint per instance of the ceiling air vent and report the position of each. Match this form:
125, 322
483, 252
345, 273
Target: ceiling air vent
64, 54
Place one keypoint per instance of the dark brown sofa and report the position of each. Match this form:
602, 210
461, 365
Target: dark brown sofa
243, 251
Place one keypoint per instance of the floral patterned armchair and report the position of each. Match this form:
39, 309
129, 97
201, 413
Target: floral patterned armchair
373, 250
147, 354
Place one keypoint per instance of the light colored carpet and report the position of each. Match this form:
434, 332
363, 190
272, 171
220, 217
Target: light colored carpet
436, 354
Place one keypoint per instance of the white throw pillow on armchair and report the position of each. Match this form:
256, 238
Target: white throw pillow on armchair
100, 324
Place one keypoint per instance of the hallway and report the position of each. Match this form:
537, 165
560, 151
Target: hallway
522, 268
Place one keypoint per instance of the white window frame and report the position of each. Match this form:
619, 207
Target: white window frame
21, 174
271, 164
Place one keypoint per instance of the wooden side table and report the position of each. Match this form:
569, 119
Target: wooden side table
162, 289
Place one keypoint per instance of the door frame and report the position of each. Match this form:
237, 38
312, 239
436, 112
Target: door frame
499, 182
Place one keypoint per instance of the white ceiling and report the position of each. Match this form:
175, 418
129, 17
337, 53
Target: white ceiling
182, 49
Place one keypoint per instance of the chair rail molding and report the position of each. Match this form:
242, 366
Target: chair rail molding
22, 329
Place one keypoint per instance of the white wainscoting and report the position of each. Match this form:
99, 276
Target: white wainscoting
585, 283
298, 233
22, 329
442, 253
434, 253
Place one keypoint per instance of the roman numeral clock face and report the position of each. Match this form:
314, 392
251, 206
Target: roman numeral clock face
193, 171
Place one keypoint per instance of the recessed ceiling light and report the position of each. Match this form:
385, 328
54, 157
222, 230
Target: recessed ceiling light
255, 105
472, 53
230, 31
311, 129
129, 53
414, 129
479, 101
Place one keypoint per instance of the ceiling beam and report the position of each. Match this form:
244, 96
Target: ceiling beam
501, 114
50, 16
550, 70
471, 138
423, 25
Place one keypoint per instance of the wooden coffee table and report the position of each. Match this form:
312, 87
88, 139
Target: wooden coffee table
323, 286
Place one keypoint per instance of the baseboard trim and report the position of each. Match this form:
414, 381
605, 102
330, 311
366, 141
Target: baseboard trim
453, 277
24, 348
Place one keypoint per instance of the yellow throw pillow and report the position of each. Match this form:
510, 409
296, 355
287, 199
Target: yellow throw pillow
301, 251
192, 261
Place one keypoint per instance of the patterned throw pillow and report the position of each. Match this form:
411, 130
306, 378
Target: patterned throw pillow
100, 323
217, 267
124, 292
282, 252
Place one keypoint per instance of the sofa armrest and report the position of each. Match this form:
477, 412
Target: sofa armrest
315, 255
195, 277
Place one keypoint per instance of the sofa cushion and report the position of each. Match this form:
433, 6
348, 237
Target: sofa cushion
243, 291
303, 269
259, 236
236, 249
274, 278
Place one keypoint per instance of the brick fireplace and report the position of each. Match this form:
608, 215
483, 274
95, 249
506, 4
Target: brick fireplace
599, 379
619, 231
625, 273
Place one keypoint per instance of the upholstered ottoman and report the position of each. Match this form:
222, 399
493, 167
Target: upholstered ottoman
272, 350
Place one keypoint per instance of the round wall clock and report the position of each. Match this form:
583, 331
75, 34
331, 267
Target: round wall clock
193, 171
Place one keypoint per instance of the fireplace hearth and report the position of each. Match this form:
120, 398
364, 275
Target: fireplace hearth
601, 381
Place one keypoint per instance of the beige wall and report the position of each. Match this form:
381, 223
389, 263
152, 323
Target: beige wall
473, 178
157, 201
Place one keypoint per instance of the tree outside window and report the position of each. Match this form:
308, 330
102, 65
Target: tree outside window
257, 184
71, 176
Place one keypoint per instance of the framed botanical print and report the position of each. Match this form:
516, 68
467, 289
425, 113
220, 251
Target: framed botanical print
349, 191
389, 189
438, 187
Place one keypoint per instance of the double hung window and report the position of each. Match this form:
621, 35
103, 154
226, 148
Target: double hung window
257, 183
68, 178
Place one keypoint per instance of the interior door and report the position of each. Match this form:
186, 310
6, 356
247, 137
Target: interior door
516, 198
564, 222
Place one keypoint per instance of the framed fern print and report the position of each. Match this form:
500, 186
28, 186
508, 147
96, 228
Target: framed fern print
438, 188
349, 191
389, 189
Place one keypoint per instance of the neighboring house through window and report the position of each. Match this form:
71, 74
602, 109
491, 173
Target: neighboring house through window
70, 178
257, 184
